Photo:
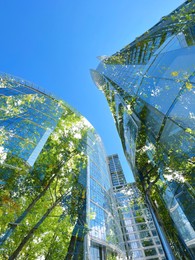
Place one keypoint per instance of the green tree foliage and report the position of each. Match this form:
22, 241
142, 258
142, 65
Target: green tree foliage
40, 205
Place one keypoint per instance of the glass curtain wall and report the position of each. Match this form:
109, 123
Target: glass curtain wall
141, 239
149, 86
43, 174
105, 236
56, 194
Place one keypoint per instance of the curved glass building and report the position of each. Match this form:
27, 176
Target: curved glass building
57, 200
149, 86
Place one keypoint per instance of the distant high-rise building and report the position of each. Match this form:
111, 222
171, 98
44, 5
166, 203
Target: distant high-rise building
116, 171
141, 239
149, 86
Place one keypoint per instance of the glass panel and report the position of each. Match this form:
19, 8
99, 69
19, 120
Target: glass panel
183, 111
137, 254
147, 242
150, 252
177, 65
155, 91
154, 121
180, 142
142, 227
145, 234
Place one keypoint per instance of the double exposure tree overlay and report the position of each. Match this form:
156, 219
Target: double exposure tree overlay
159, 162
40, 203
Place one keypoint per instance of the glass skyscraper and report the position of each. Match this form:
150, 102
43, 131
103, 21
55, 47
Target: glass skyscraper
57, 199
149, 86
116, 171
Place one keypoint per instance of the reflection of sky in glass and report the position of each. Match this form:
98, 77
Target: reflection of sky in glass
26, 115
31, 160
175, 138
126, 76
172, 43
178, 216
183, 111
159, 93
181, 61
130, 135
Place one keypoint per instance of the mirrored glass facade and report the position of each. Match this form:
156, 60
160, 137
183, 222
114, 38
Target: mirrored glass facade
52, 162
37, 137
141, 238
116, 171
149, 86
28, 117
105, 236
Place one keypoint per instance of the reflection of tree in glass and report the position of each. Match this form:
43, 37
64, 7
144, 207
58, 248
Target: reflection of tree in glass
33, 198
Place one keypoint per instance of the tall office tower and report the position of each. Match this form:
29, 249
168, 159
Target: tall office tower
116, 171
141, 239
149, 86
56, 195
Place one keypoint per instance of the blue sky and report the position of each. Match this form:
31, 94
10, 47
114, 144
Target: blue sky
54, 43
